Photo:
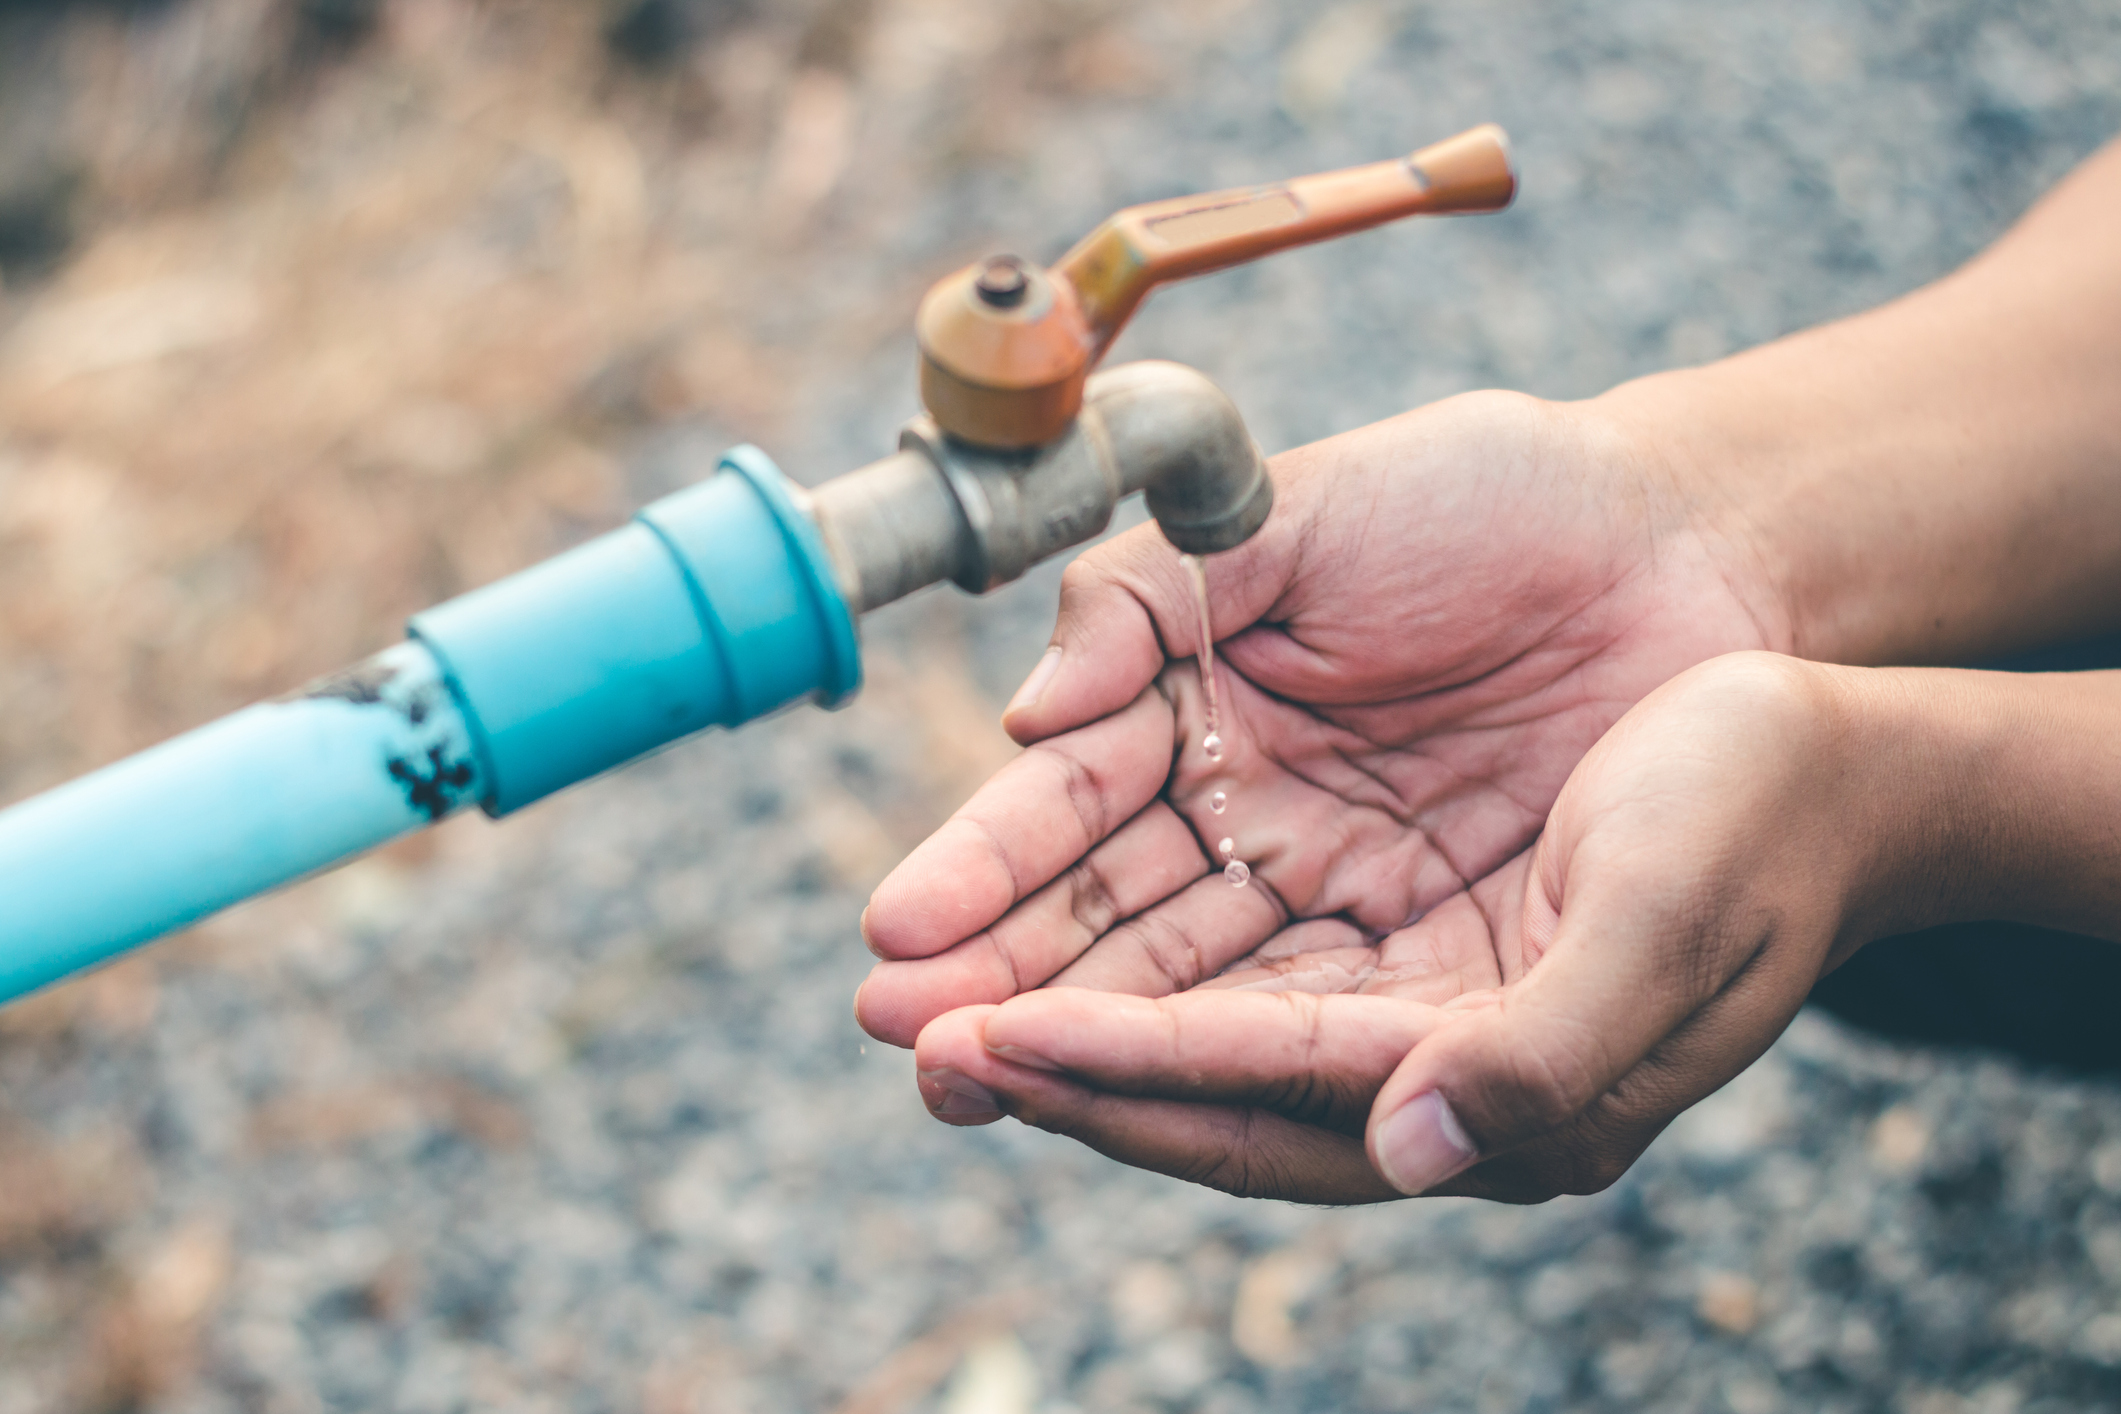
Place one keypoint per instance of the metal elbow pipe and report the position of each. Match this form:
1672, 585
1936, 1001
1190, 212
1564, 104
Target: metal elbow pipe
1177, 439
942, 509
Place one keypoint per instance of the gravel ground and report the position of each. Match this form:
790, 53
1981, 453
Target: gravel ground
569, 1113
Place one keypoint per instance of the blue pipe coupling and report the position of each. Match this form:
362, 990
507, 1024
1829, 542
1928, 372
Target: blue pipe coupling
714, 606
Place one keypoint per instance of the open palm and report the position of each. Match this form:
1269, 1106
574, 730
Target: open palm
1445, 611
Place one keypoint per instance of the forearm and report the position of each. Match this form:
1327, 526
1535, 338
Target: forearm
1980, 795
1935, 481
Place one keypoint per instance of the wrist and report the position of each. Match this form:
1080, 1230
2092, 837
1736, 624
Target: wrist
1703, 469
1928, 482
1980, 796
1913, 767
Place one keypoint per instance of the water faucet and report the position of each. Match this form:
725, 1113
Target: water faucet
722, 602
1026, 450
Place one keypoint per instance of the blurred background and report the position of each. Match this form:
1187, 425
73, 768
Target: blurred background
313, 312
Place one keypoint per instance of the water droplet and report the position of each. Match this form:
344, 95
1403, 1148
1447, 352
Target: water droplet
1238, 873
1211, 746
1218, 803
1227, 848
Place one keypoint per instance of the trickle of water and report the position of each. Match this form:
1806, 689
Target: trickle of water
1235, 870
1212, 743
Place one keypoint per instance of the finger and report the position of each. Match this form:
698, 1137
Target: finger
949, 1062
1127, 606
1179, 943
1144, 862
1037, 816
1315, 1059
1249, 1152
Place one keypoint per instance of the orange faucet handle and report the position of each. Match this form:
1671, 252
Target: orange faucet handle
1005, 348
1115, 267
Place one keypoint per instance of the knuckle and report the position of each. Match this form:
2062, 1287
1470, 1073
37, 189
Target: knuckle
1307, 1092
1081, 785
1166, 947
1003, 953
1550, 1083
1311, 1019
991, 841
1082, 574
1223, 1165
1091, 902
1248, 1164
1299, 1097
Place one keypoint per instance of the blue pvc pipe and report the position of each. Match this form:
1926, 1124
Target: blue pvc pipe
269, 794
715, 605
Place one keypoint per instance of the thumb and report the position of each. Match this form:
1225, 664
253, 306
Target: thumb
1126, 608
1623, 974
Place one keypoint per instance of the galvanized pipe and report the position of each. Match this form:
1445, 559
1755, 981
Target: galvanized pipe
944, 509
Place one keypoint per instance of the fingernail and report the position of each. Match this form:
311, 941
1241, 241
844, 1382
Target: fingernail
1028, 694
1017, 1055
1422, 1144
962, 1096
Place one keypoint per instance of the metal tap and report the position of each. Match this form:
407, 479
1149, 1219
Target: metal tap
1026, 450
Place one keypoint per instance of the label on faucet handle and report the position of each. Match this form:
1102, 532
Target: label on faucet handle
1263, 212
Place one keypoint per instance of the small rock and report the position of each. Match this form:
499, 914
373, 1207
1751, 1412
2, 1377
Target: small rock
995, 1377
1729, 1301
1147, 1299
1751, 1393
2106, 1166
2100, 1339
1262, 1321
1178, 1366
1899, 1139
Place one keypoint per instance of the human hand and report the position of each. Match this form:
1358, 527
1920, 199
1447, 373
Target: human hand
1442, 615
1737, 833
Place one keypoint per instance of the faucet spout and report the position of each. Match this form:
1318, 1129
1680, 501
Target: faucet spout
943, 509
1177, 439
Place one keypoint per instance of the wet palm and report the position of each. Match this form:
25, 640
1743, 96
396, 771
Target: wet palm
1444, 613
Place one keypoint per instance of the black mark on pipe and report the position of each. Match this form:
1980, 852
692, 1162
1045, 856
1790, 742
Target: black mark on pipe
436, 790
362, 685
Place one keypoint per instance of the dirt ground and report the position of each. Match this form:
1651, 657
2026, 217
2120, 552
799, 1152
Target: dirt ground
313, 312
